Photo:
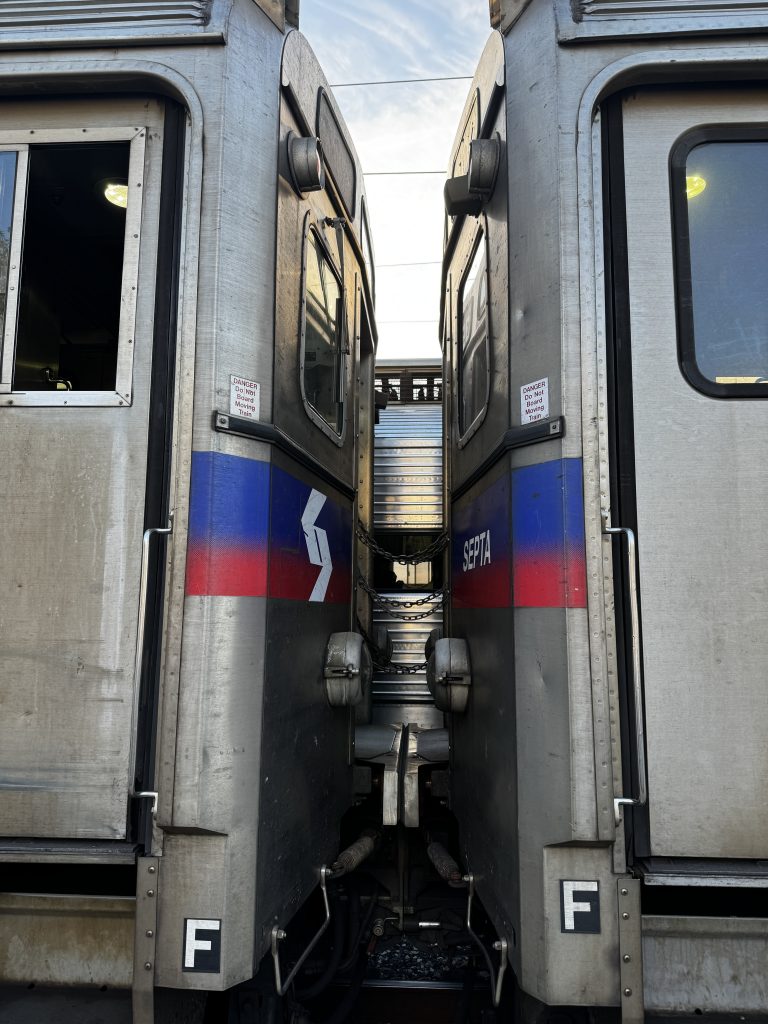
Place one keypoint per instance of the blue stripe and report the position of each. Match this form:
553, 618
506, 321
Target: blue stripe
229, 501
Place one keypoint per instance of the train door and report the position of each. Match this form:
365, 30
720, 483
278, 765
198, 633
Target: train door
692, 399
79, 199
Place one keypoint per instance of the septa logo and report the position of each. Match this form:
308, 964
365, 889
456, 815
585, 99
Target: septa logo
202, 945
318, 548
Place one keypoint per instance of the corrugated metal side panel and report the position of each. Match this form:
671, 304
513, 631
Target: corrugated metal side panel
689, 8
408, 469
408, 640
30, 15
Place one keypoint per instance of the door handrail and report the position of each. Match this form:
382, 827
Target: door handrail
637, 676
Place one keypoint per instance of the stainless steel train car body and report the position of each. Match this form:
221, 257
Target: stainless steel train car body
221, 713
543, 735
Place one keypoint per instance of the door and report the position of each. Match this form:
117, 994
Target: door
695, 166
79, 196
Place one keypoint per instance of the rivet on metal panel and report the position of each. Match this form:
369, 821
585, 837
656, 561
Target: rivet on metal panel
144, 945
631, 955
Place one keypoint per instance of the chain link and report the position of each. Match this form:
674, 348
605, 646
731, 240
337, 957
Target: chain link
380, 662
425, 555
434, 600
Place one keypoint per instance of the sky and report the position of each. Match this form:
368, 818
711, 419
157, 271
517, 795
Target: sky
407, 127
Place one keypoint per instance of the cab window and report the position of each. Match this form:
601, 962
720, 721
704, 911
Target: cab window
69, 226
473, 340
323, 342
721, 221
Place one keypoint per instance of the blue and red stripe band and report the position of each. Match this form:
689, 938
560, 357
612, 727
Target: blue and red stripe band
549, 559
520, 543
250, 534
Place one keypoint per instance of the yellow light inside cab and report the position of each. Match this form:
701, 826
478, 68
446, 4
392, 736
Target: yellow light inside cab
116, 194
694, 185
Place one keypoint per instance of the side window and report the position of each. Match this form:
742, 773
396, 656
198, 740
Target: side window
322, 364
721, 224
69, 228
368, 253
473, 340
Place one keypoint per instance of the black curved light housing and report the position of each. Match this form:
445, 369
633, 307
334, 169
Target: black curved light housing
470, 192
305, 162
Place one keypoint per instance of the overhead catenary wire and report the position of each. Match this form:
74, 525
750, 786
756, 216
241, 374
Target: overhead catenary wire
402, 81
370, 174
418, 263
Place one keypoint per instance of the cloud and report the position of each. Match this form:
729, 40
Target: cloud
398, 128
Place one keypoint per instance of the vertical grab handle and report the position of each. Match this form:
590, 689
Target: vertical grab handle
637, 678
140, 634
143, 585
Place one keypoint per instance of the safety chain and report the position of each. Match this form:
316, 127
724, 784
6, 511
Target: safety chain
380, 662
425, 555
393, 605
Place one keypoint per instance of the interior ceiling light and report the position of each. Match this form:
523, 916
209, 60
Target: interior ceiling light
694, 185
115, 191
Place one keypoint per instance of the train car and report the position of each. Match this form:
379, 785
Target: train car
605, 333
186, 393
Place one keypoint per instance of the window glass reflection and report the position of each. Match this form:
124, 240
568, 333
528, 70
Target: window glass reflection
322, 339
7, 188
728, 245
473, 340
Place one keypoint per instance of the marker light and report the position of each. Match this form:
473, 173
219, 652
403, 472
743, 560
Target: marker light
116, 193
694, 185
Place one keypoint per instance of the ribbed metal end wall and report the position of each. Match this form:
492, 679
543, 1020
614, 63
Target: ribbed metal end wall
408, 468
25, 13
408, 495
408, 640
679, 8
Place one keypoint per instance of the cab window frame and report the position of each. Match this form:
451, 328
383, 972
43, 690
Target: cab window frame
681, 239
22, 142
478, 237
312, 230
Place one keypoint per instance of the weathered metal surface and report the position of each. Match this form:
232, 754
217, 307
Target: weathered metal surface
94, 22
630, 951
66, 940
145, 940
210, 770
504, 13
21, 1005
103, 13
554, 674
702, 567
705, 964
594, 19
72, 554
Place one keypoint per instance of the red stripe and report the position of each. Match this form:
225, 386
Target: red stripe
226, 572
544, 582
487, 587
294, 578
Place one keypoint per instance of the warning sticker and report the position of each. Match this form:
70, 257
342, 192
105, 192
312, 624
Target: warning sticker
534, 401
244, 398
